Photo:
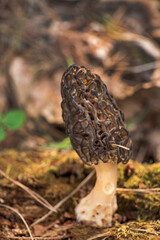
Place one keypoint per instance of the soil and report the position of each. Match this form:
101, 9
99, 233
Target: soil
53, 174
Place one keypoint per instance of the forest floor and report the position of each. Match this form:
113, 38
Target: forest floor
33, 182
118, 40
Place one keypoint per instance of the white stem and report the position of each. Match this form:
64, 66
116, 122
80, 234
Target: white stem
99, 205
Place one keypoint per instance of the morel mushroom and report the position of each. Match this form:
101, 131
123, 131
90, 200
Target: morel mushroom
98, 134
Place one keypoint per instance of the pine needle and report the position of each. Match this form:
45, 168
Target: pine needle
59, 204
117, 145
21, 217
34, 195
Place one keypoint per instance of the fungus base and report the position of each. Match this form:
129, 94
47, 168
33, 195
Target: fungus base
99, 205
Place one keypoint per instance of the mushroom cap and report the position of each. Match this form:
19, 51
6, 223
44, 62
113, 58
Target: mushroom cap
94, 122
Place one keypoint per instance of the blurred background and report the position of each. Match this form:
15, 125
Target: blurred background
117, 39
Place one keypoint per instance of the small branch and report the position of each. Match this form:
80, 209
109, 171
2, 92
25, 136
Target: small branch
143, 190
75, 190
146, 67
144, 230
35, 195
66, 198
21, 217
42, 218
141, 68
117, 145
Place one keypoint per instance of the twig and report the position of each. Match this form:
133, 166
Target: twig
143, 190
142, 68
144, 230
146, 67
121, 146
35, 195
66, 198
21, 217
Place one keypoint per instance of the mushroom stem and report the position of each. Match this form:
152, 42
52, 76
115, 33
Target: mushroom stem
99, 205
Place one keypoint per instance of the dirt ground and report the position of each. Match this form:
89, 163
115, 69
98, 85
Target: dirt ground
53, 175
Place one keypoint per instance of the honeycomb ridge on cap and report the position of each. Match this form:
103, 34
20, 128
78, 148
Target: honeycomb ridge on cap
93, 120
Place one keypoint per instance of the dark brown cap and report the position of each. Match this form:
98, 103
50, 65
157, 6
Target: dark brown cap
93, 120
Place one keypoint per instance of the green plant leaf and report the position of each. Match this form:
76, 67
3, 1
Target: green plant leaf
2, 134
65, 144
69, 61
14, 119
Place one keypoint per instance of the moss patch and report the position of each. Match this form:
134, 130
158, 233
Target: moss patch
54, 174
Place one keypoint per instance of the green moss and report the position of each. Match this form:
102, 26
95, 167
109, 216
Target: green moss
56, 173
131, 230
144, 206
148, 175
132, 182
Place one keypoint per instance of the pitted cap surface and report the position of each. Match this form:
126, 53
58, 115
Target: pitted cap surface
94, 122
